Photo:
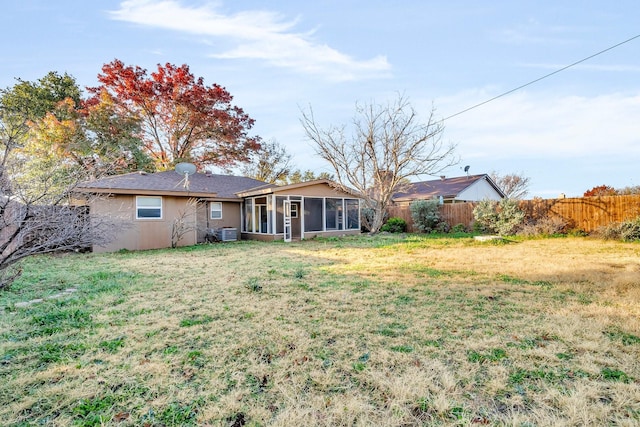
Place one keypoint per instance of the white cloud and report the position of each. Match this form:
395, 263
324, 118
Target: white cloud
259, 35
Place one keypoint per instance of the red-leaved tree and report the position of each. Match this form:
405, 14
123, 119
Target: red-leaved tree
180, 118
601, 190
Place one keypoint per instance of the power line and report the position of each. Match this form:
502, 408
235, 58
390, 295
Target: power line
541, 78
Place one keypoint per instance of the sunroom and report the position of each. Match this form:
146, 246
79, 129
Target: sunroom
299, 211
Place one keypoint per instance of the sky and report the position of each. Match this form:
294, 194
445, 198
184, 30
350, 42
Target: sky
569, 132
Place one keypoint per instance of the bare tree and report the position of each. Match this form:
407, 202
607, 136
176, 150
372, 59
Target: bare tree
388, 146
37, 221
271, 163
513, 185
36, 213
185, 222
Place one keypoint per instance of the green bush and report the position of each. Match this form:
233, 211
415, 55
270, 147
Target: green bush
627, 231
630, 230
442, 227
425, 215
395, 225
503, 218
459, 228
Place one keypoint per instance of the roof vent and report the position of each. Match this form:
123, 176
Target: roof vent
142, 173
442, 177
208, 173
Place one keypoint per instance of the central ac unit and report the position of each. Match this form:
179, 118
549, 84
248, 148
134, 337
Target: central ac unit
227, 234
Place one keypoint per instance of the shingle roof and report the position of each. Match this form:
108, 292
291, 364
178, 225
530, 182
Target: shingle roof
222, 186
447, 188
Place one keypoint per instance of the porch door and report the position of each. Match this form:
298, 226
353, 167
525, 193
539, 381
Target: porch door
287, 220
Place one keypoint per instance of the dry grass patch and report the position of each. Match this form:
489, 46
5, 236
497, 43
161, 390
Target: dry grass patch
362, 331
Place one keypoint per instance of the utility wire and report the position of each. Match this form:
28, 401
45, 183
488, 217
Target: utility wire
541, 78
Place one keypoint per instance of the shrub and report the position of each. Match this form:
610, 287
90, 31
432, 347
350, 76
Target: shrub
627, 231
630, 230
546, 226
425, 215
442, 227
485, 216
459, 228
503, 217
395, 225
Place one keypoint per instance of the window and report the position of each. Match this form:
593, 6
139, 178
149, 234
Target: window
248, 217
148, 207
353, 214
313, 214
294, 210
216, 210
280, 214
333, 214
260, 214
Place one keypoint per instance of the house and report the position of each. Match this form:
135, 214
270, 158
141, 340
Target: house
164, 209
468, 188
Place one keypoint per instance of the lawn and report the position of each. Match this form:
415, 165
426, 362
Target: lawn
386, 331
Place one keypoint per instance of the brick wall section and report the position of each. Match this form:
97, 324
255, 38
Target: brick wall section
585, 213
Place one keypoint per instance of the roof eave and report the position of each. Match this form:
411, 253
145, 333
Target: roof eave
139, 192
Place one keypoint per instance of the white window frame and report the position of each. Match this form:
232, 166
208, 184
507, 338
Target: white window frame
138, 207
294, 210
211, 210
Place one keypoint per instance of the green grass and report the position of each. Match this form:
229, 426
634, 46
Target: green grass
616, 334
385, 330
493, 355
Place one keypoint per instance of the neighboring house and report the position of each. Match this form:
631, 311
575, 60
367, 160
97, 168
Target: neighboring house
469, 188
158, 210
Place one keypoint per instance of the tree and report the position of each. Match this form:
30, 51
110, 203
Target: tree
180, 118
26, 103
271, 163
387, 147
601, 190
629, 190
114, 141
184, 222
36, 213
514, 186
37, 218
20, 107
49, 118
36, 187
298, 176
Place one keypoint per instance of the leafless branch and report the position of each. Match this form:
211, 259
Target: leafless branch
388, 147
513, 185
184, 222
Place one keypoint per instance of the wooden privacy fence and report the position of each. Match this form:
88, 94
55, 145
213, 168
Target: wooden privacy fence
585, 213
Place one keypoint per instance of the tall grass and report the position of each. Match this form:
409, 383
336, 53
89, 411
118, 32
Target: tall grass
357, 331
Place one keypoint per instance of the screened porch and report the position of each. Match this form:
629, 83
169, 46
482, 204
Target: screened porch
293, 217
